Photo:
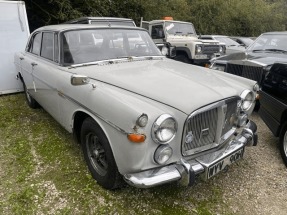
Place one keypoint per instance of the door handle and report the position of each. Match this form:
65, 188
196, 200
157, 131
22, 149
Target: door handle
34, 64
21, 58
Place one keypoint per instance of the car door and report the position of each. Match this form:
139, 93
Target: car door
27, 59
44, 74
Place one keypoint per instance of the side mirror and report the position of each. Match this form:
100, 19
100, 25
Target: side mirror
77, 80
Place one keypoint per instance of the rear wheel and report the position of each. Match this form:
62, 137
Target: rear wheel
98, 155
30, 100
283, 143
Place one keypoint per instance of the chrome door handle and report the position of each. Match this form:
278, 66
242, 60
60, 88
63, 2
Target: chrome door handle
34, 64
21, 58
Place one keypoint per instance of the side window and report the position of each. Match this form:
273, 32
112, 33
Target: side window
56, 49
36, 44
47, 50
157, 32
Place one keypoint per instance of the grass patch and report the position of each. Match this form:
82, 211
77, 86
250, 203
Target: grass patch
43, 172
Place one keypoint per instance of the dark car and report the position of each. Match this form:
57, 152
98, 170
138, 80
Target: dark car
257, 60
273, 100
244, 41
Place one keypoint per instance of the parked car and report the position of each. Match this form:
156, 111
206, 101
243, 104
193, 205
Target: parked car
231, 45
137, 114
273, 99
243, 41
258, 59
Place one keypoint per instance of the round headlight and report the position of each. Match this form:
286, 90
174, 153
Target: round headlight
164, 51
198, 49
164, 129
142, 120
220, 49
247, 100
256, 87
163, 154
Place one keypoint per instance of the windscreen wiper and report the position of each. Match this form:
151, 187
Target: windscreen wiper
276, 50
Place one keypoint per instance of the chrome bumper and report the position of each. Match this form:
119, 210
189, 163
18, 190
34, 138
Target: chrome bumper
185, 171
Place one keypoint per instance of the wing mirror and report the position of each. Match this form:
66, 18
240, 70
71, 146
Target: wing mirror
77, 80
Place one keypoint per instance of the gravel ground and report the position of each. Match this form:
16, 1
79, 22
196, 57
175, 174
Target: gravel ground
260, 188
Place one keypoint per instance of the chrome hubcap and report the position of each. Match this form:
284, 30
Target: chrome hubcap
96, 154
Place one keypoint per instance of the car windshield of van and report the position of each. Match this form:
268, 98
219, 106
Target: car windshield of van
86, 45
270, 43
179, 28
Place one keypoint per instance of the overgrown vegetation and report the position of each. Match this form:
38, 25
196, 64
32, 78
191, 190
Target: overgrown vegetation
227, 17
43, 172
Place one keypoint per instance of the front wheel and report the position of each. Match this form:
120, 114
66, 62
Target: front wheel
30, 100
99, 156
182, 57
283, 143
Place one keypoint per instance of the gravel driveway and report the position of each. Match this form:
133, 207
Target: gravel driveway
261, 187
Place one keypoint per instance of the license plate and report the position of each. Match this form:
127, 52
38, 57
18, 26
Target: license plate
201, 56
221, 164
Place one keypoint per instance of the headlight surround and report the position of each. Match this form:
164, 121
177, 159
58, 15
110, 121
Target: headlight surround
164, 129
162, 154
247, 100
198, 49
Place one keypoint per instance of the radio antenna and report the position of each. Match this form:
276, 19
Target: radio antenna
104, 18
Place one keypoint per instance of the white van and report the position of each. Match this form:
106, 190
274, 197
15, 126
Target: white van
14, 33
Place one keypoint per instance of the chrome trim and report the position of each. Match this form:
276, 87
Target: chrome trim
217, 111
156, 126
185, 170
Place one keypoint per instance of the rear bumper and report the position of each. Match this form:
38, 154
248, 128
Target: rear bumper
186, 170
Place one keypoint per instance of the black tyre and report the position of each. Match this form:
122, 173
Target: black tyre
30, 100
182, 58
283, 143
99, 156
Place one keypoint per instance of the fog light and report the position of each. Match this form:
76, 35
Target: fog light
163, 154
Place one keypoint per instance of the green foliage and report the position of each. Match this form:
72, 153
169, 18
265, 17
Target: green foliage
226, 17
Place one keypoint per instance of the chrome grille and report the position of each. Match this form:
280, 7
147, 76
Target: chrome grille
210, 49
205, 127
251, 72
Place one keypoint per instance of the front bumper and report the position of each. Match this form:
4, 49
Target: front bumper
185, 171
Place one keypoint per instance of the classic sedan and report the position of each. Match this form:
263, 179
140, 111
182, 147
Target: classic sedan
255, 63
138, 115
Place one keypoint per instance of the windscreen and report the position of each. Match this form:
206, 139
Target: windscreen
86, 45
179, 28
269, 42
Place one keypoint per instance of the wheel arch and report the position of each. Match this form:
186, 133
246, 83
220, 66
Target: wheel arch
184, 51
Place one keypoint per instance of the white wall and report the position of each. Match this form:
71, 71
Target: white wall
14, 32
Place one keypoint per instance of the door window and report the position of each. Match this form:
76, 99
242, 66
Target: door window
157, 32
36, 45
47, 50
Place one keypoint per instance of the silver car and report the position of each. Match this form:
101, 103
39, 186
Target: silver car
139, 116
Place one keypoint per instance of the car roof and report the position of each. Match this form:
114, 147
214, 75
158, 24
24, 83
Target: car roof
100, 19
276, 32
213, 35
65, 27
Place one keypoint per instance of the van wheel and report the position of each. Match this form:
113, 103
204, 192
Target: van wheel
182, 58
99, 156
30, 100
283, 143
